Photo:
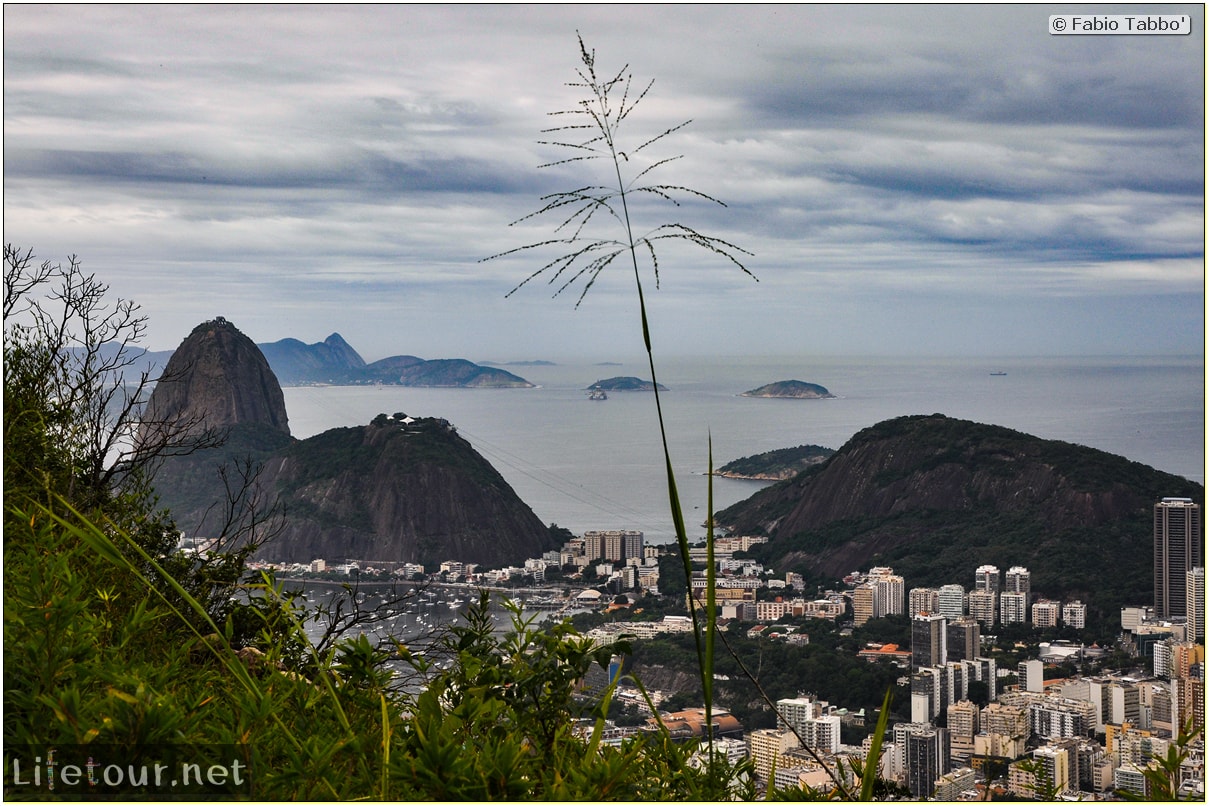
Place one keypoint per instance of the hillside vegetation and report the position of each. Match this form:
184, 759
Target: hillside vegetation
935, 497
121, 651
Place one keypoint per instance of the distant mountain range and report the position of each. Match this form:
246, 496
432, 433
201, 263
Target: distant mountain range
334, 361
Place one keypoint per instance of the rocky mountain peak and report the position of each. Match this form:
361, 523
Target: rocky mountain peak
220, 377
342, 352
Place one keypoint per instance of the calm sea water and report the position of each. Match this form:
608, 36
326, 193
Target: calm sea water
587, 464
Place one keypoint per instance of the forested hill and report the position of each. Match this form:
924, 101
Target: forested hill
935, 497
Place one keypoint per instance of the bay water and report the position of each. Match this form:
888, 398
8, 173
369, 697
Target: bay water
598, 464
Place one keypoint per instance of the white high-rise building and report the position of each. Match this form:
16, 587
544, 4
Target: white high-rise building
805, 716
1074, 614
797, 711
1013, 607
951, 601
1194, 593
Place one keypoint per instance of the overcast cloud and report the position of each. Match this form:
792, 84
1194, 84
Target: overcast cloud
910, 179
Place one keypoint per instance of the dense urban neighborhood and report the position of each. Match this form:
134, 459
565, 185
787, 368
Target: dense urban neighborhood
1061, 718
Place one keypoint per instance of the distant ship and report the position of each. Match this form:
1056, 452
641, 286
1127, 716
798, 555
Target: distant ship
999, 373
597, 394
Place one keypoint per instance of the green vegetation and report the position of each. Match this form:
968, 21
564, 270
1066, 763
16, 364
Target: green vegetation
594, 135
828, 667
942, 496
113, 641
781, 463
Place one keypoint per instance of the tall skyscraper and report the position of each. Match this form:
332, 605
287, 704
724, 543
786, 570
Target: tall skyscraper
927, 759
928, 641
1177, 549
1194, 596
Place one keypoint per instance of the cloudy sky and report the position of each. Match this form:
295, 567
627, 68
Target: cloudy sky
908, 179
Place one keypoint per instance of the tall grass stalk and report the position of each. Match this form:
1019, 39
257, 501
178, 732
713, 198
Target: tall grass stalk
593, 133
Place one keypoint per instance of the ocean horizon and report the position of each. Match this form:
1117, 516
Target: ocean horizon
598, 464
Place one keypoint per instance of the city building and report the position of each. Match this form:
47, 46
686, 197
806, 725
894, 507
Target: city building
767, 746
1005, 720
928, 641
962, 638
1133, 778
795, 712
1188, 701
1044, 778
1120, 703
951, 786
864, 603
923, 601
891, 592
1194, 607
951, 601
962, 721
983, 606
1031, 674
1017, 580
1061, 718
1045, 613
927, 757
1074, 614
1134, 617
986, 578
1013, 607
1014, 598
805, 716
1177, 549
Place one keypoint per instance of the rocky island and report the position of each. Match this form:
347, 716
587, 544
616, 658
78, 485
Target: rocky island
624, 383
775, 465
790, 389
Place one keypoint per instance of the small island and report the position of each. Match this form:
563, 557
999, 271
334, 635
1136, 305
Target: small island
783, 463
792, 389
625, 383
